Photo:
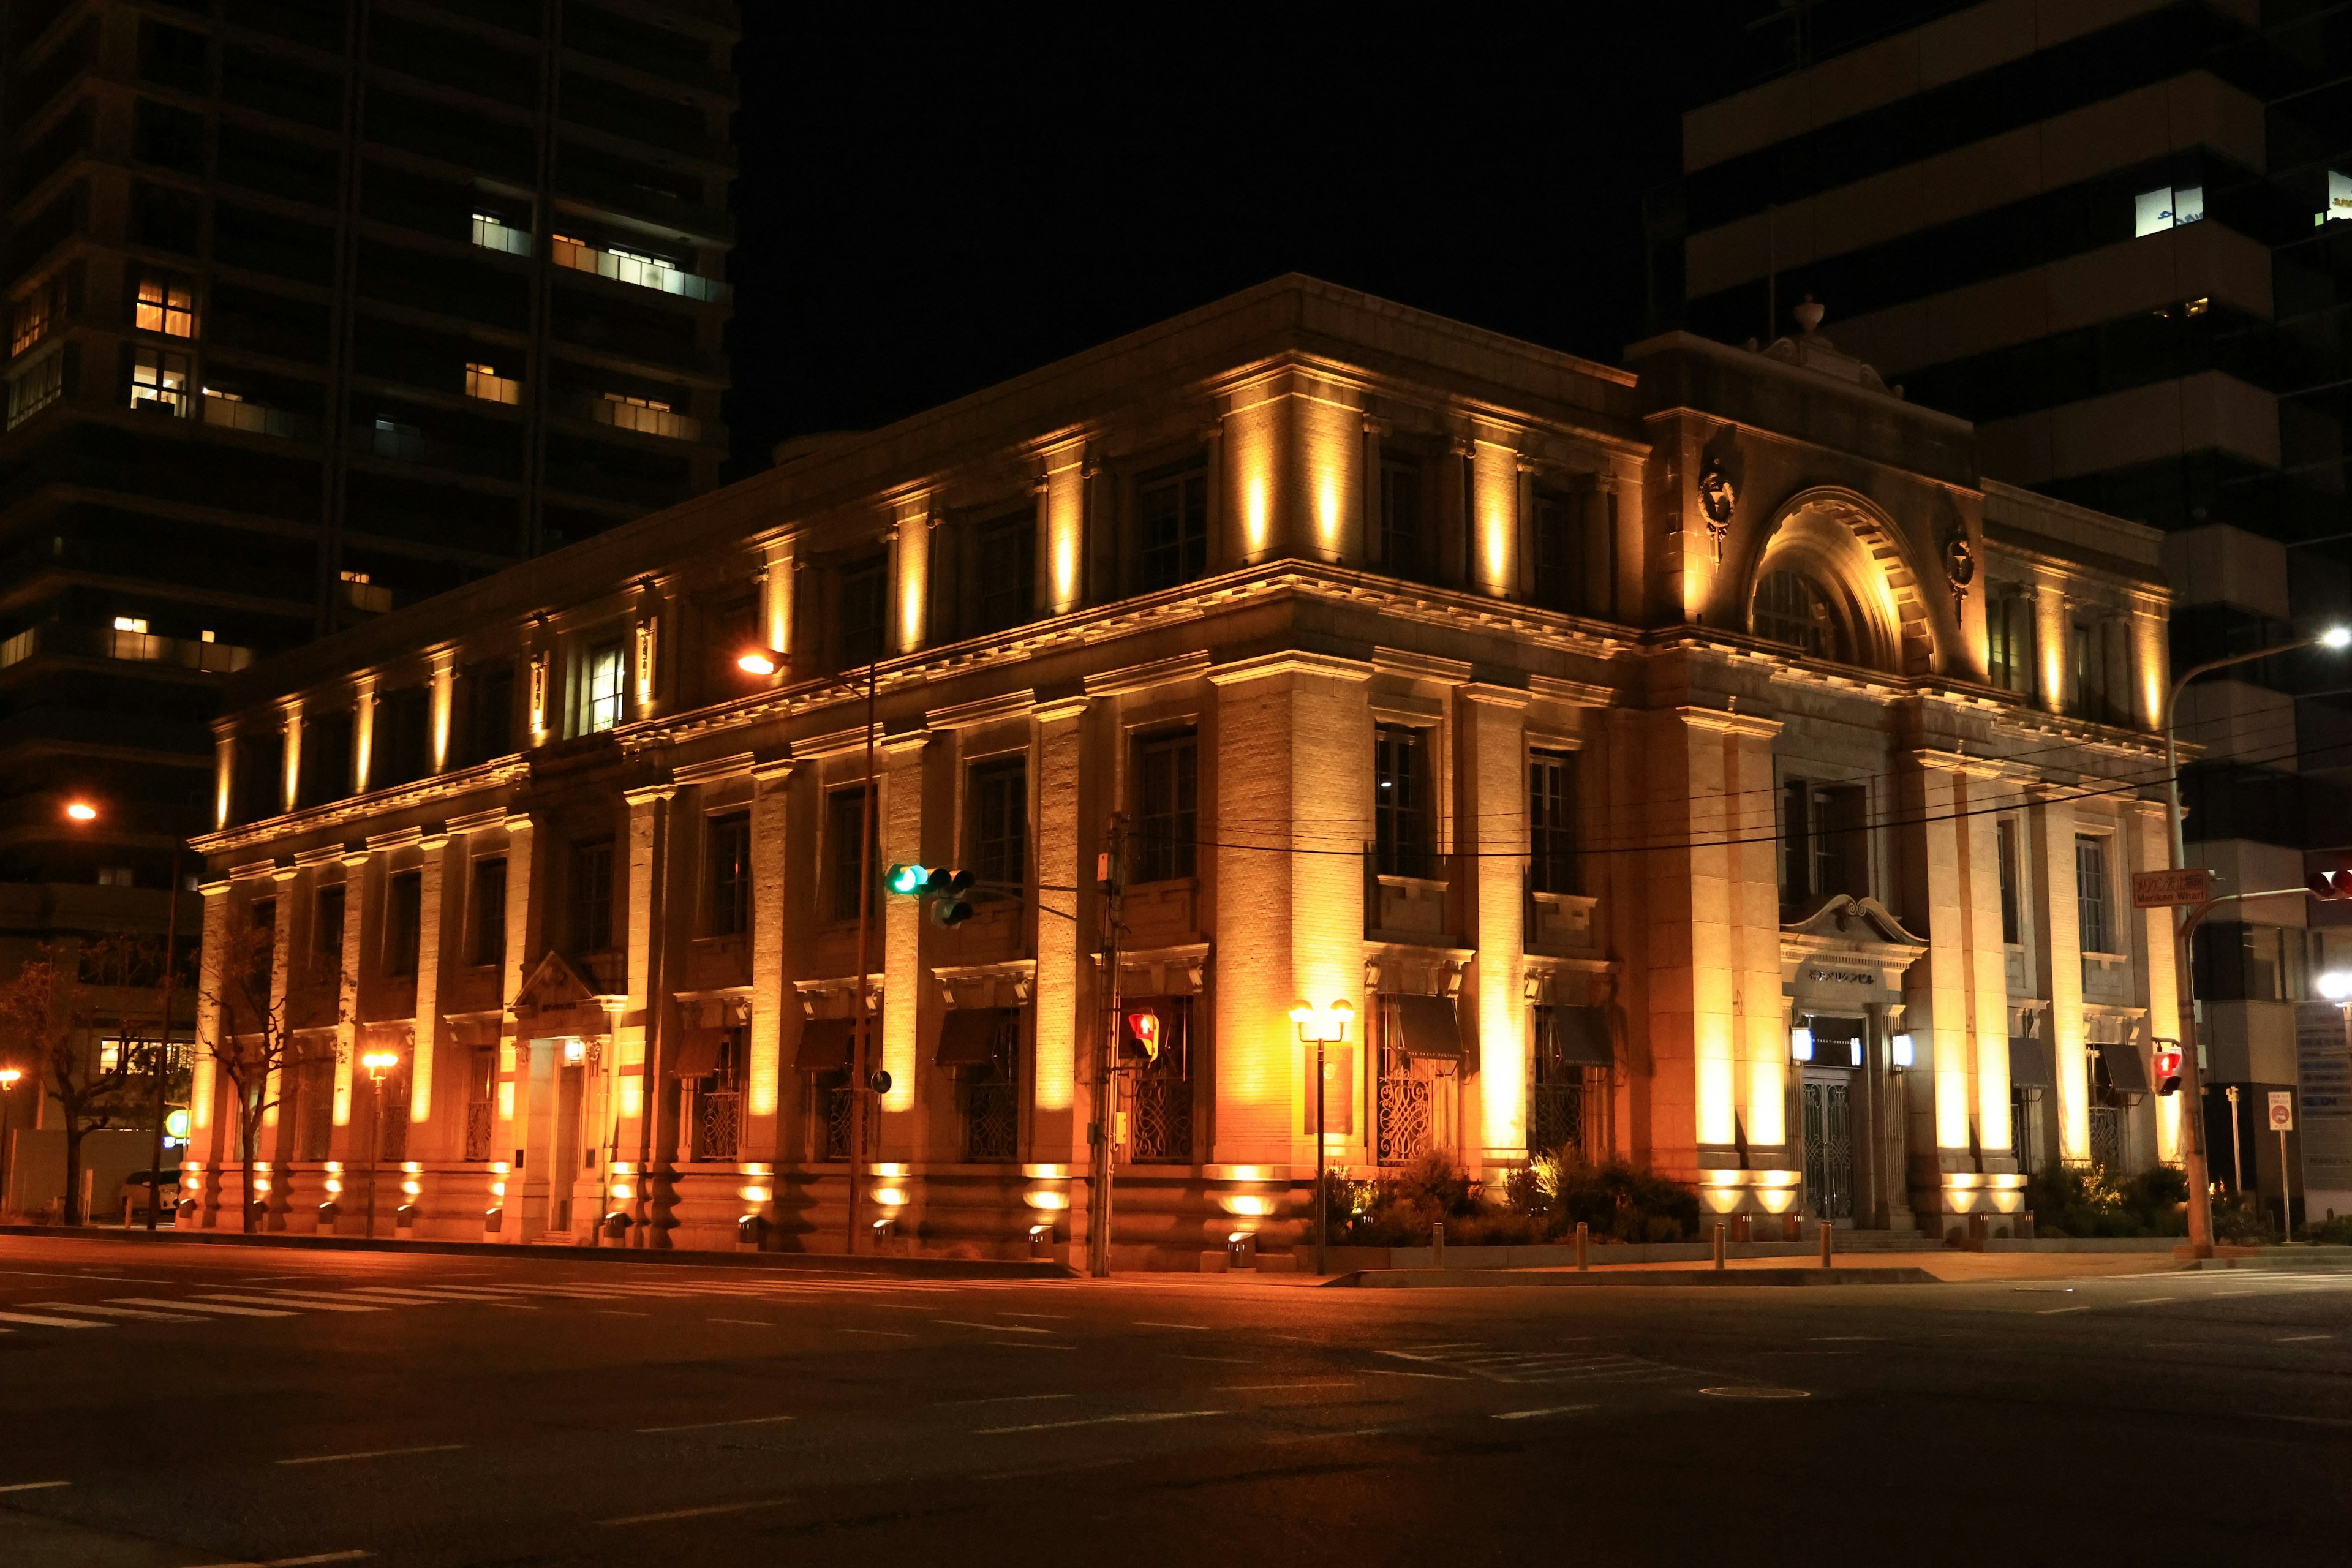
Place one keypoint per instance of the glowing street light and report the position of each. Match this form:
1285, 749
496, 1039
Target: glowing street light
759, 661
8, 1077
377, 1063
81, 811
1321, 1026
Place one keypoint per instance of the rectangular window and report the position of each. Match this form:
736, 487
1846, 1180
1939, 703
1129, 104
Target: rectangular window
999, 821
864, 610
1400, 823
35, 387
603, 687
1551, 822
487, 908
845, 828
1174, 509
2009, 629
1008, 573
404, 907
326, 773
1825, 842
1560, 548
1167, 808
734, 630
488, 690
327, 928
592, 896
2093, 904
167, 304
2153, 212
159, 383
1404, 547
730, 874
2012, 926
2101, 671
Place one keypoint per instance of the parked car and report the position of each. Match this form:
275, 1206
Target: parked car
132, 1200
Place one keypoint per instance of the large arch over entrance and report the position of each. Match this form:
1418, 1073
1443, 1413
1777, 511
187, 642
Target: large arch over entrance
1833, 579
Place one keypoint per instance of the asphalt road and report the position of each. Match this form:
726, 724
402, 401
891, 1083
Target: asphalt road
287, 1407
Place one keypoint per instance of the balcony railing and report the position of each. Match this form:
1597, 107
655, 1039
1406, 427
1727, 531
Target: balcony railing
717, 1124
138, 648
643, 272
481, 1116
492, 234
623, 415
256, 419
1411, 895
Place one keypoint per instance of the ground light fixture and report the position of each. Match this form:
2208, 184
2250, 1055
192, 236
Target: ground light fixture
1319, 1027
2336, 985
81, 811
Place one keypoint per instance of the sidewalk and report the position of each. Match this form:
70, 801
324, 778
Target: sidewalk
1941, 1265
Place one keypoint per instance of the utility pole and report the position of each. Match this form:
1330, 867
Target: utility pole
163, 1046
1110, 877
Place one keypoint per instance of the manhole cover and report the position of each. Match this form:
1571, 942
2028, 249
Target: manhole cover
1757, 1393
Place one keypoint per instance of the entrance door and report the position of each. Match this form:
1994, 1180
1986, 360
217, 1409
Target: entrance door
1829, 1149
563, 1168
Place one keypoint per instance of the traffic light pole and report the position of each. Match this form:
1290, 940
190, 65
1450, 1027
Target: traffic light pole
859, 1050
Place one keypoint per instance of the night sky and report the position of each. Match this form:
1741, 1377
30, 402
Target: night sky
931, 202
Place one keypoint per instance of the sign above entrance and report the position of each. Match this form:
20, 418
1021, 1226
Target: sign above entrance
2281, 1111
2171, 890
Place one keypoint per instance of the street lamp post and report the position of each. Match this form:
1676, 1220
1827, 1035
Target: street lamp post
1319, 1027
378, 1063
2192, 1074
8, 1077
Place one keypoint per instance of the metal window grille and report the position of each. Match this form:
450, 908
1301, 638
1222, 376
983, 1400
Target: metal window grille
992, 1097
717, 1123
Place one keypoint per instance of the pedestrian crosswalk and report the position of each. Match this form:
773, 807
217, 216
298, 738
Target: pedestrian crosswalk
212, 1302
1548, 1367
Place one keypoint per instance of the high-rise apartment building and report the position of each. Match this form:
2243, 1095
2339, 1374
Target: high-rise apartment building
315, 307
2108, 232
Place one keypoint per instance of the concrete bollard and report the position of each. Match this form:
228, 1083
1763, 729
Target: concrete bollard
1583, 1240
1437, 1245
1827, 1230
1721, 1229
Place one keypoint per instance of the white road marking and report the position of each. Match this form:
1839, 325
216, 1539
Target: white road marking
286, 1302
700, 1426
117, 1279
297, 1561
1754, 1393
1003, 1399
38, 1322
34, 1486
202, 1307
1054, 1317
2054, 1311
747, 1322
374, 1454
616, 1312
697, 1512
1219, 1360
2150, 1301
1137, 1418
1028, 1345
331, 1301
1326, 1436
121, 1312
991, 1328
879, 1334
1146, 1323
1432, 1376
1548, 1410
1269, 1387
2301, 1339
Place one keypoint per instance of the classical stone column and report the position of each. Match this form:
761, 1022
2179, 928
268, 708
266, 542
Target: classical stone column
645, 1032
290, 759
2158, 963
1494, 757
1939, 991
212, 1137
898, 1131
432, 941
443, 685
1062, 1018
1295, 754
276, 1139
1980, 791
363, 732
526, 917
362, 896
766, 1077
2058, 955
1494, 517
1748, 819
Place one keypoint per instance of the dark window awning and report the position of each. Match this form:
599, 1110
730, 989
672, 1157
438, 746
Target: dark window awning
968, 1037
2030, 1066
2126, 1067
824, 1045
1581, 1037
1428, 1027
696, 1055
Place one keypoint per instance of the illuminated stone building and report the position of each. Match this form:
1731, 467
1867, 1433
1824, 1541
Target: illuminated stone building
1624, 745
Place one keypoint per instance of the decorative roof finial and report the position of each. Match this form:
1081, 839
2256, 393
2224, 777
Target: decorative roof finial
1808, 315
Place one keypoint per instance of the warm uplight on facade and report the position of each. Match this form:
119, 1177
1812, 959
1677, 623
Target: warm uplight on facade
759, 661
82, 811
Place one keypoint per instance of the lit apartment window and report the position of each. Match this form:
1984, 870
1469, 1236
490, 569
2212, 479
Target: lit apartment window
629, 267
167, 304
36, 314
130, 623
2164, 207
115, 876
492, 232
159, 383
2339, 200
600, 694
649, 415
483, 381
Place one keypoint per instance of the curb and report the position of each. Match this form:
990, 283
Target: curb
1457, 1279
781, 1262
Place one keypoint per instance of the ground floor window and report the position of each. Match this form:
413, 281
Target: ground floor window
1159, 1116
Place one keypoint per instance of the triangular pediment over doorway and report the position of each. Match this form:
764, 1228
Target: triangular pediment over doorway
553, 993
1844, 918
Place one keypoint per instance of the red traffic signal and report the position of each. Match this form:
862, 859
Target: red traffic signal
2328, 875
2168, 1067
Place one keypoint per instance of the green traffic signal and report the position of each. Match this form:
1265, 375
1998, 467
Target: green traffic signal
912, 880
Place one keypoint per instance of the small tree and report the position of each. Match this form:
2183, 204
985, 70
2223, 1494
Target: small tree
258, 1038
46, 1015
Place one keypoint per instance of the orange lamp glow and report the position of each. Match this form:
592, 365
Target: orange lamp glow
759, 661
82, 811
8, 1077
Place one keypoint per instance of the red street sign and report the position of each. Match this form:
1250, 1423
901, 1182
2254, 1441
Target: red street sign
2171, 890
2281, 1111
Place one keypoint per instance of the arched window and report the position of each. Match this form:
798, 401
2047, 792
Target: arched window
1792, 608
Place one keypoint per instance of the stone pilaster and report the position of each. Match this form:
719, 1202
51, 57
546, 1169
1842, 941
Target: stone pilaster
1057, 1133
766, 1075
2159, 960
1748, 816
644, 1032
1494, 774
433, 939
2058, 955
898, 1130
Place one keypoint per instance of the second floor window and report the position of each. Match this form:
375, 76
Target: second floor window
730, 874
327, 929
1401, 824
1825, 842
1007, 570
404, 908
999, 821
1174, 509
2094, 899
864, 609
2012, 909
2101, 671
603, 687
592, 896
1559, 550
489, 911
2009, 638
846, 830
1404, 547
1551, 822
1167, 809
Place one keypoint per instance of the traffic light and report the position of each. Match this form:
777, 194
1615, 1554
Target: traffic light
2168, 1067
2329, 876
949, 890
913, 881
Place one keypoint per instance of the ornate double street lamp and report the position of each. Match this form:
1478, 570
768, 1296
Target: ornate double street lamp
1320, 1027
2192, 1076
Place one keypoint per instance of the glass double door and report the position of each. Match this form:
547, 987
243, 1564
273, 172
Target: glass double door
1828, 1146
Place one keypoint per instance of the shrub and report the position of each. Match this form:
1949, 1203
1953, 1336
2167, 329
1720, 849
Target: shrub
1541, 1202
2333, 1232
2089, 1201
